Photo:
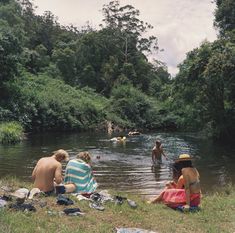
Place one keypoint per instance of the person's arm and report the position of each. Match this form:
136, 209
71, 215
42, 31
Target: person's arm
153, 156
198, 175
163, 153
171, 185
180, 183
58, 174
187, 188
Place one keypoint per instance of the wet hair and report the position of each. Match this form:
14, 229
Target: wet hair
176, 171
158, 142
61, 155
178, 166
85, 156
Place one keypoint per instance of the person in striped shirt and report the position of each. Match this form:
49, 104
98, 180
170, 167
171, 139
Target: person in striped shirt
78, 175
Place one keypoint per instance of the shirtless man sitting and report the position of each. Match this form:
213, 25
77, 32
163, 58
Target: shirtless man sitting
157, 153
48, 171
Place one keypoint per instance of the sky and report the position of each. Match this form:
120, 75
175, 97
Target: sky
179, 25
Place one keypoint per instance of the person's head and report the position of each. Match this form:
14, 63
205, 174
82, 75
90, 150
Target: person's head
183, 161
61, 155
158, 143
85, 156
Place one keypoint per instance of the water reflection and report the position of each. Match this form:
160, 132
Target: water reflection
125, 166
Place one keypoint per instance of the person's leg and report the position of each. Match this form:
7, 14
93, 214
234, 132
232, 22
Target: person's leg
66, 188
70, 188
157, 199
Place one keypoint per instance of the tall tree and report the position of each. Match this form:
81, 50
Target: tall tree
127, 32
225, 16
10, 49
128, 28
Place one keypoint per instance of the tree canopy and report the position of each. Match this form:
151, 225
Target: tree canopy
55, 77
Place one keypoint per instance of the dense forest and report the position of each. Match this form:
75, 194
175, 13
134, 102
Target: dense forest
55, 77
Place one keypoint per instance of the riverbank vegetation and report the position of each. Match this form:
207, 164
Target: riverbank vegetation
217, 214
10, 132
55, 77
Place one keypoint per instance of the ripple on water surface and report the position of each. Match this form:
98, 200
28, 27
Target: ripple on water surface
125, 166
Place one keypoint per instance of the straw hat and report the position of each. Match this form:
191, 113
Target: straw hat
184, 157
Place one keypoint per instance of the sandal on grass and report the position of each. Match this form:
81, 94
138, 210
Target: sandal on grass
131, 203
96, 206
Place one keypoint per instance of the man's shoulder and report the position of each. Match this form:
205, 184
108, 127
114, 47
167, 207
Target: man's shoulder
43, 159
58, 164
53, 162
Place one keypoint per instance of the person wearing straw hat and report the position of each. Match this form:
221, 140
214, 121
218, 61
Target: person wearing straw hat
48, 171
188, 192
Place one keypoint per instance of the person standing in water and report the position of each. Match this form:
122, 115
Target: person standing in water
157, 153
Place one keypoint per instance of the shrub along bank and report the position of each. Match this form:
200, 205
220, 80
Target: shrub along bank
41, 103
10, 132
44, 104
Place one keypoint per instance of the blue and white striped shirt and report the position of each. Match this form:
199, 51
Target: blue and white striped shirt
79, 173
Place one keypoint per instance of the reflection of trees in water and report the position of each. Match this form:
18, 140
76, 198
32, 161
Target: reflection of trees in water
126, 166
162, 174
129, 178
176, 146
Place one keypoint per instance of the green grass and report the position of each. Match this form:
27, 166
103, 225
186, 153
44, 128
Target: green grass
10, 132
217, 215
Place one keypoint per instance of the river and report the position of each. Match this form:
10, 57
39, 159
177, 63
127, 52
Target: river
126, 166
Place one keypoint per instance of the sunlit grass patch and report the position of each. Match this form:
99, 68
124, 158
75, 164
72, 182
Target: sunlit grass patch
10, 132
217, 215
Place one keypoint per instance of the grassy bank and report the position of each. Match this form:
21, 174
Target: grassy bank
217, 215
10, 132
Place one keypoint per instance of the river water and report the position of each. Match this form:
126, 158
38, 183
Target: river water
126, 166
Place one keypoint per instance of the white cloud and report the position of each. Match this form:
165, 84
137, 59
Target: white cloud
180, 25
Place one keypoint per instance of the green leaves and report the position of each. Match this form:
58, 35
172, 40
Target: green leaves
131, 105
9, 55
225, 16
10, 132
204, 87
42, 103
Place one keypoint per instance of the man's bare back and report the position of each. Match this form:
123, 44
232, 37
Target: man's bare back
48, 170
